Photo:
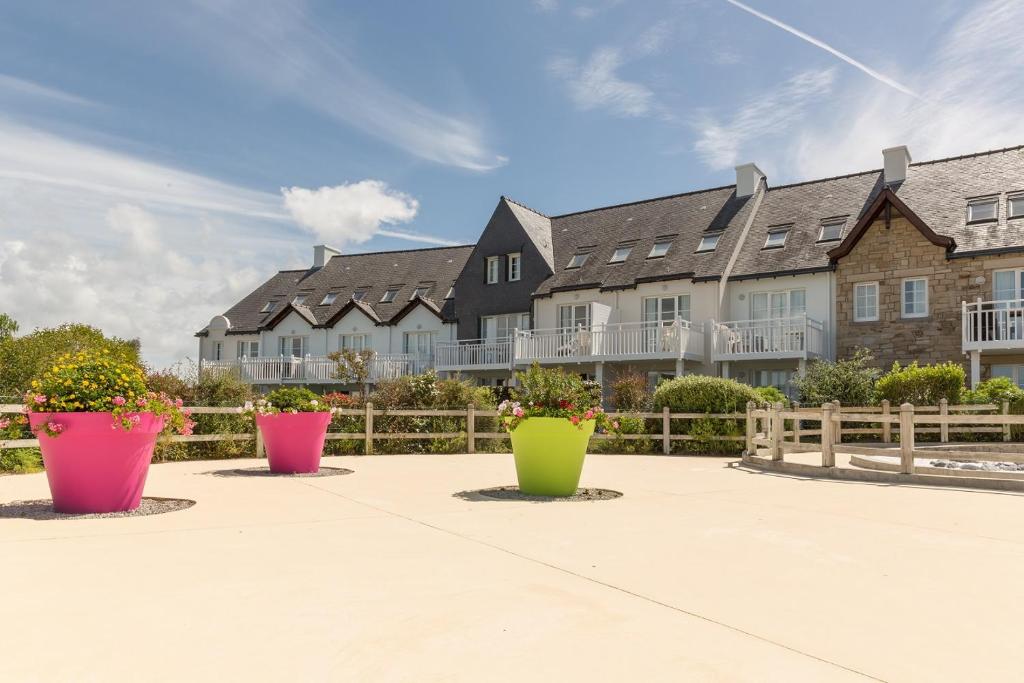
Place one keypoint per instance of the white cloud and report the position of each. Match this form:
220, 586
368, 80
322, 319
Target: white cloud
11, 85
352, 213
772, 114
278, 47
546, 5
596, 84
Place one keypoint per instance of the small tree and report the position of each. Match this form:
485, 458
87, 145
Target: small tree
629, 391
353, 367
8, 326
850, 381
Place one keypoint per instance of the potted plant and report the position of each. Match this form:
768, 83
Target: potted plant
293, 422
550, 419
97, 425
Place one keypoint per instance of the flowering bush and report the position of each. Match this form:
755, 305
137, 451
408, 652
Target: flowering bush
546, 392
288, 400
91, 382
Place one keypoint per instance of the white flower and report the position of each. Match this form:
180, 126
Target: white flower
313, 403
247, 406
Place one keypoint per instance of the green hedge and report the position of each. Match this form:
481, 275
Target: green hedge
922, 385
700, 394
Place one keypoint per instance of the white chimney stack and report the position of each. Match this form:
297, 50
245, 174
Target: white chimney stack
322, 254
748, 176
895, 161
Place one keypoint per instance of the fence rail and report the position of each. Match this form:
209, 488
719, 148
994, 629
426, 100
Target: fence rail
470, 414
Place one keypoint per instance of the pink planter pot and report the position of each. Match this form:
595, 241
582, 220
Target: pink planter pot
294, 441
92, 468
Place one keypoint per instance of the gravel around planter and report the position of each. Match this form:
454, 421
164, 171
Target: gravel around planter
43, 509
513, 493
985, 465
265, 472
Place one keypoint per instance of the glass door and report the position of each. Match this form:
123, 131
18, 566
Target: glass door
1006, 323
574, 329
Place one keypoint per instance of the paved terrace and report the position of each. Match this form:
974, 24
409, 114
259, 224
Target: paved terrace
700, 572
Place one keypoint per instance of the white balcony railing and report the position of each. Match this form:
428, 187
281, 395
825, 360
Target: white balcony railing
619, 341
993, 325
315, 369
474, 353
797, 337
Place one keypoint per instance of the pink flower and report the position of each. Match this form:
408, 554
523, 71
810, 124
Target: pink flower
179, 403
186, 412
54, 427
39, 398
4, 423
140, 402
589, 415
575, 419
118, 400
135, 419
518, 411
615, 424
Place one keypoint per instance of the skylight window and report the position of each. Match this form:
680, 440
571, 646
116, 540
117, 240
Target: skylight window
419, 291
389, 296
329, 298
776, 238
709, 242
832, 230
1015, 206
299, 300
979, 210
578, 260
620, 255
358, 295
659, 249
268, 307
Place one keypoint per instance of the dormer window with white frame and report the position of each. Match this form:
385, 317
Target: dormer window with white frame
621, 254
493, 270
709, 242
1015, 206
776, 238
359, 295
832, 230
268, 307
983, 209
389, 295
419, 291
578, 260
329, 298
660, 248
299, 300
514, 266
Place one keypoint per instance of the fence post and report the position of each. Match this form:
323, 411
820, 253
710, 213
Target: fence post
777, 426
471, 428
944, 426
837, 430
796, 423
907, 438
886, 423
259, 442
828, 452
666, 431
1006, 426
369, 429
751, 428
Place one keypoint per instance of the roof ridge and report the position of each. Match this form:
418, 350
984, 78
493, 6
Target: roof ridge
826, 179
404, 251
524, 206
645, 201
968, 156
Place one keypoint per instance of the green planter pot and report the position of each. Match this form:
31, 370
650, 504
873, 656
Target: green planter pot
549, 453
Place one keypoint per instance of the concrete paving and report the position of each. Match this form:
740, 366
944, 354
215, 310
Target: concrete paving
699, 572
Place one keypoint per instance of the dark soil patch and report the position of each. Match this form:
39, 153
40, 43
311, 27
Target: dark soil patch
513, 493
265, 472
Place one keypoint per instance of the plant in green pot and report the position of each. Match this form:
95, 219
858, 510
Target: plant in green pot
550, 419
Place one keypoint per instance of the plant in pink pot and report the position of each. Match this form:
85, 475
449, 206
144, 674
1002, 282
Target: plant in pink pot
293, 422
97, 426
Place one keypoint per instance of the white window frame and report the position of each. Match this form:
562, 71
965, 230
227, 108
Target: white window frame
347, 341
247, 349
392, 291
578, 260
424, 289
515, 263
665, 246
979, 201
867, 319
681, 302
903, 298
575, 321
772, 296
450, 294
288, 340
771, 234
624, 251
838, 222
300, 300
493, 270
510, 321
429, 335
329, 298
1017, 197
268, 307
714, 237
1018, 284
359, 295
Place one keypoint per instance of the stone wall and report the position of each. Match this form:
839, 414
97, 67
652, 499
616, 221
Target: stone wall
888, 255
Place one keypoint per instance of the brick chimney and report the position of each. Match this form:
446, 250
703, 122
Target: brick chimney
895, 161
747, 178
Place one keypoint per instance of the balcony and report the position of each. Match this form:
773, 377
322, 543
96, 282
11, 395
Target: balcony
314, 369
993, 325
776, 338
678, 340
474, 354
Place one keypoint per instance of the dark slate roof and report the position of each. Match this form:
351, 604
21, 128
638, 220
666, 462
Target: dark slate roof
375, 273
683, 218
537, 226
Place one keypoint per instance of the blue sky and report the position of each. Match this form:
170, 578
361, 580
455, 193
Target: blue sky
158, 160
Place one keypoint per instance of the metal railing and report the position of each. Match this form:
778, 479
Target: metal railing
675, 340
468, 353
993, 324
796, 337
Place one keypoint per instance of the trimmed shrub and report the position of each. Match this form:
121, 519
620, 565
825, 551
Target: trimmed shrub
995, 391
770, 395
922, 385
629, 391
700, 394
850, 381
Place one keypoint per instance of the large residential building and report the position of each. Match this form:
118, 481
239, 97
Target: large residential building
915, 261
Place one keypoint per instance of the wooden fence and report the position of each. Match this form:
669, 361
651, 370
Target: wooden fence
767, 428
470, 414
